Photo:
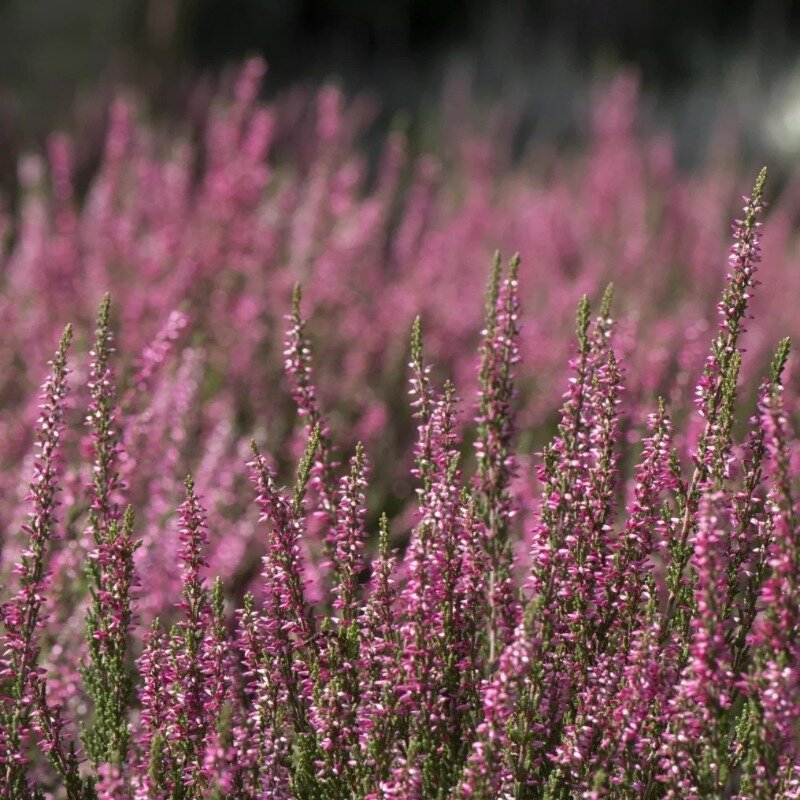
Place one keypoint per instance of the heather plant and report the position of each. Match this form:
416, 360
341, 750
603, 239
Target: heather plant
465, 594
645, 647
202, 234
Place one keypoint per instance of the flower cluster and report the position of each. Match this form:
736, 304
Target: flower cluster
461, 596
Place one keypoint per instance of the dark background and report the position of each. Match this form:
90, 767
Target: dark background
60, 59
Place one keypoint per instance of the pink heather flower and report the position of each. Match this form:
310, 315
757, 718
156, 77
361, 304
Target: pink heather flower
188, 721
706, 685
102, 420
23, 615
646, 648
378, 658
262, 748
155, 352
488, 770
112, 784
298, 367
155, 695
493, 447
773, 686
405, 780
350, 537
431, 560
217, 667
722, 364
289, 629
644, 530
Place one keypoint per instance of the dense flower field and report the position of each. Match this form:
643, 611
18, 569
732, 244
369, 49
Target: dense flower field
438, 541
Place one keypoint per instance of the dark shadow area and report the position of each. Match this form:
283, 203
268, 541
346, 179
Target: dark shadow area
61, 60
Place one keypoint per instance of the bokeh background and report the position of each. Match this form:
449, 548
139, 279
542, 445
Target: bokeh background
704, 65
